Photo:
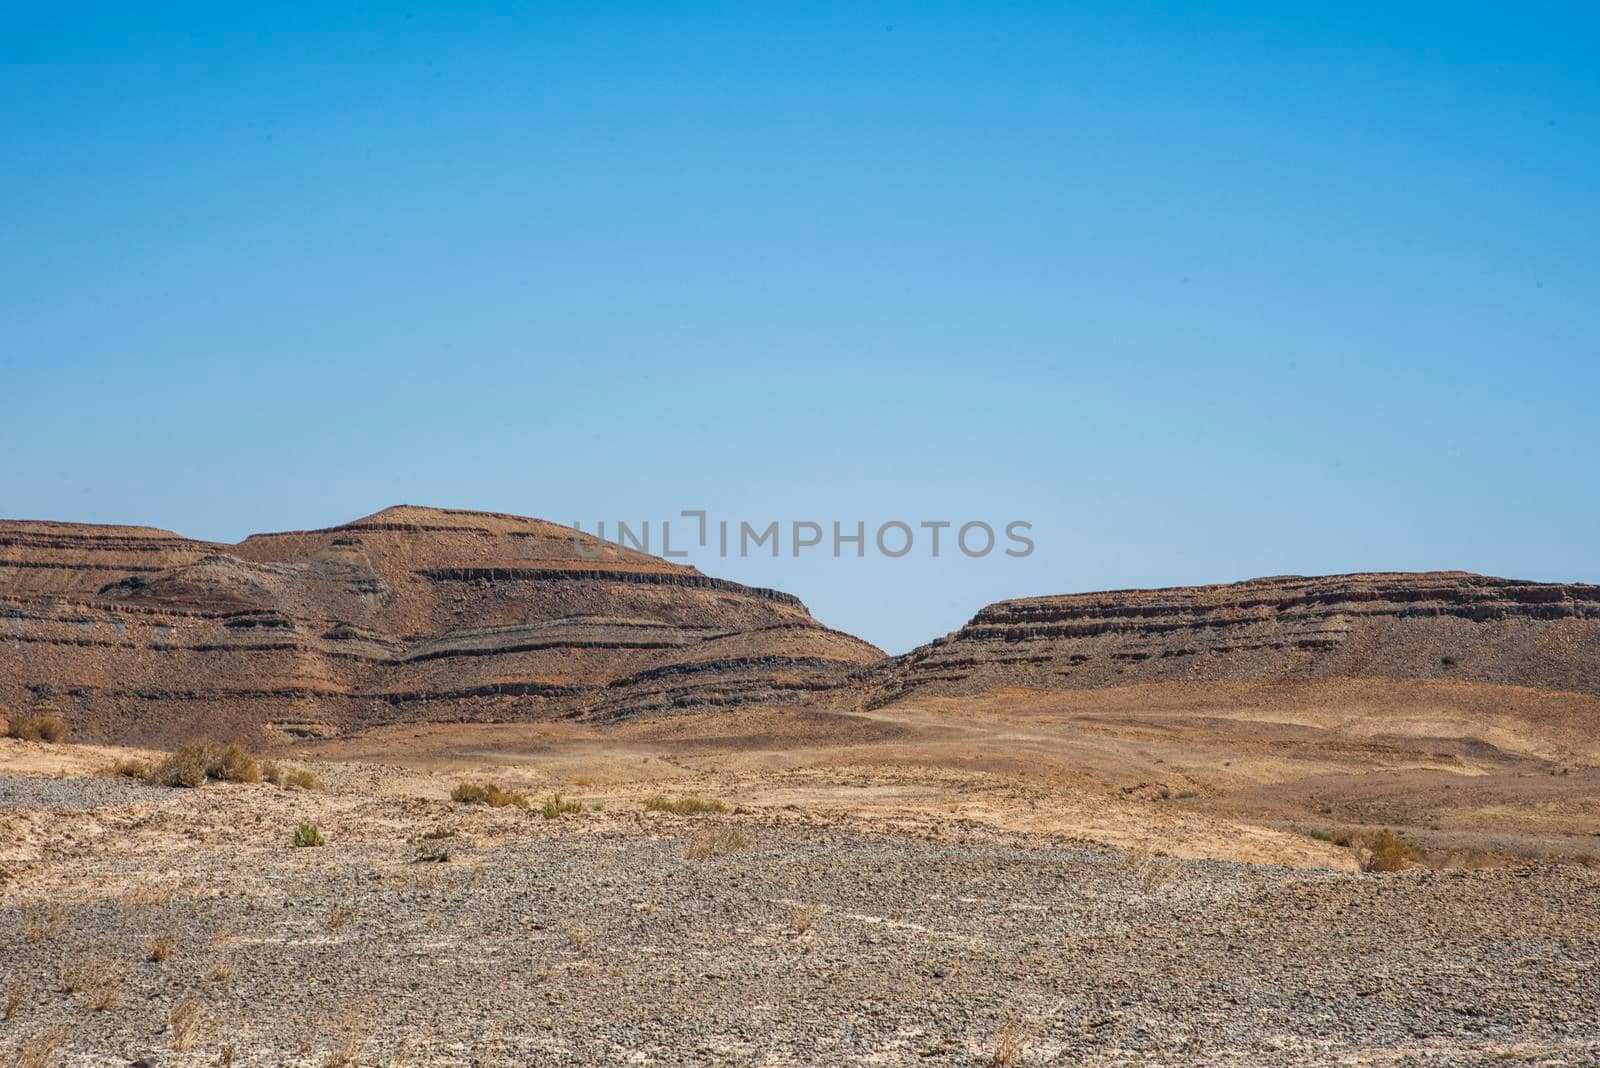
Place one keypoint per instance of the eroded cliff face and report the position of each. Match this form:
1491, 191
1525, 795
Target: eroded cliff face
1434, 625
411, 614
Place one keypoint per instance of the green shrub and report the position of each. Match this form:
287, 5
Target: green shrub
307, 834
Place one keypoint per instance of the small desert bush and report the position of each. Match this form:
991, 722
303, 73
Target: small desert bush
432, 853
1390, 852
340, 918
42, 920
16, 994
307, 835
159, 946
195, 765
97, 977
556, 806
487, 793
130, 768
685, 806
30, 728
301, 779
715, 843
40, 1051
271, 773
803, 916
184, 1020
1380, 851
1322, 836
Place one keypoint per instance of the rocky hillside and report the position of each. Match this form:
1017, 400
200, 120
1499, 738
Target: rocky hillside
1435, 625
411, 614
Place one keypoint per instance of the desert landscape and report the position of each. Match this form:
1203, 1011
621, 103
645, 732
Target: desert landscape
432, 788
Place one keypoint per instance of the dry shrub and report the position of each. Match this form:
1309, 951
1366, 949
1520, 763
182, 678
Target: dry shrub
16, 994
307, 835
579, 936
715, 843
1150, 872
301, 779
41, 1050
130, 768
555, 806
223, 970
30, 728
271, 773
158, 947
685, 806
194, 765
1380, 851
42, 921
432, 853
340, 918
487, 793
184, 1021
1013, 1031
1390, 852
97, 977
803, 916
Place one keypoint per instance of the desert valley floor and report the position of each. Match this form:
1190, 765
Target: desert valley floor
1135, 876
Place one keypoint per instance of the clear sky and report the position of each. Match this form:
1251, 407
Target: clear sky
1202, 296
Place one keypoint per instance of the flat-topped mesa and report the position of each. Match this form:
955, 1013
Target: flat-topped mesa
1430, 625
409, 614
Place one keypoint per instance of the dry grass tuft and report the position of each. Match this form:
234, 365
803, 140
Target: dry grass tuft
340, 918
715, 843
555, 806
16, 993
1390, 852
271, 773
158, 947
223, 970
685, 806
184, 1021
193, 766
803, 916
301, 779
42, 1049
1151, 873
131, 768
31, 728
488, 793
1381, 851
307, 835
94, 975
579, 936
432, 853
42, 921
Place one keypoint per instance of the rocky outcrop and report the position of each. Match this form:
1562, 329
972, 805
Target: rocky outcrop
1437, 625
411, 614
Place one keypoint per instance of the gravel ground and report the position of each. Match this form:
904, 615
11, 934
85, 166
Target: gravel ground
73, 795
594, 939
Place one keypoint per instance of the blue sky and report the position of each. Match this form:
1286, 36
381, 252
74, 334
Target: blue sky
1202, 296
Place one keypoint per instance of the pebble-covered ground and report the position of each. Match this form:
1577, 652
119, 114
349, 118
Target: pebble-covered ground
190, 931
